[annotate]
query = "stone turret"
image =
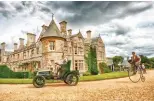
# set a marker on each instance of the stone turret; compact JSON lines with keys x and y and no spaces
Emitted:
{"x":52,"y":44}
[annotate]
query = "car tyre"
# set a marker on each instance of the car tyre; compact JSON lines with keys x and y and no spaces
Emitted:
{"x":39,"y":81}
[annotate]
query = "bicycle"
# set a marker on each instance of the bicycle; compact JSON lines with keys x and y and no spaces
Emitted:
{"x":135,"y":73}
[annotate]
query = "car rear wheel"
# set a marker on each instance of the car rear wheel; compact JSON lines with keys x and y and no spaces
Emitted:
{"x":72,"y":79}
{"x":39,"y":81}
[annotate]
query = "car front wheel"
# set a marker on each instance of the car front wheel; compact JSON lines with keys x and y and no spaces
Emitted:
{"x":39,"y":81}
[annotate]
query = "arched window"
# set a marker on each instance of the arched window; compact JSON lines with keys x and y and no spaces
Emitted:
{"x":32,"y":52}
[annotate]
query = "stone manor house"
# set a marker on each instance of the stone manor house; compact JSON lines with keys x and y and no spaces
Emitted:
{"x":52,"y":44}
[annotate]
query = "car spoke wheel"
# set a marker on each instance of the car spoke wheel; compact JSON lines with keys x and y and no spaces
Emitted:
{"x":39,"y":81}
{"x":72,"y":79}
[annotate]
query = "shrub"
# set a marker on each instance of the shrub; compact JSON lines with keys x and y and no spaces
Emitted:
{"x":22,"y":74}
{"x":104,"y":68}
{"x":86,"y":73}
{"x":107,"y":70}
{"x":147,"y":65}
{"x":5,"y":72}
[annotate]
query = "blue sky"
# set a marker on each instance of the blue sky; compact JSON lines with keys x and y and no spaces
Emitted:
{"x":123,"y":26}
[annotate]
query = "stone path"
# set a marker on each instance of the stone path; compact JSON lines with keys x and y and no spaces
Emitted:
{"x":107,"y":90}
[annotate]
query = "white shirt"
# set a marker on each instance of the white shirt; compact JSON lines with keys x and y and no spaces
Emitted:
{"x":62,"y":61}
{"x":143,"y":66}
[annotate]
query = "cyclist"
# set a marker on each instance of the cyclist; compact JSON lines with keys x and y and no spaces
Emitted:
{"x":136,"y":60}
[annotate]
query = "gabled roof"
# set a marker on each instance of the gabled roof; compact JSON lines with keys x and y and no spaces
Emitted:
{"x":52,"y":31}
{"x":95,"y":39}
{"x":78,"y":34}
{"x":74,"y":35}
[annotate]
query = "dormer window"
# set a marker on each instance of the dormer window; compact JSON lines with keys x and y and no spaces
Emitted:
{"x":52,"y":45}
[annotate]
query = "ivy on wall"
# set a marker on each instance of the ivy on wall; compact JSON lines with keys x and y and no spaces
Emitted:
{"x":91,"y":60}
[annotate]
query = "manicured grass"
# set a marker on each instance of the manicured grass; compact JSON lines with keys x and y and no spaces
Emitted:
{"x":15,"y":81}
{"x":104,"y":76}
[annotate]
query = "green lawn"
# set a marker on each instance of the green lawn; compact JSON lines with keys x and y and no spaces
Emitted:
{"x":104,"y":76}
{"x":112,"y":75}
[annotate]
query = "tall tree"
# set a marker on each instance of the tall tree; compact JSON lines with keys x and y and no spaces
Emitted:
{"x":152,"y":62}
{"x":117,"y":59}
{"x":144,"y":59}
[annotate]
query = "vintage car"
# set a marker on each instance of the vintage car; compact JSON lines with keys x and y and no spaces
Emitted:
{"x":64,"y":73}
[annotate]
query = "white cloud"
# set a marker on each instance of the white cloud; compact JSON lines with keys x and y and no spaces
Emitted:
{"x":121,"y":36}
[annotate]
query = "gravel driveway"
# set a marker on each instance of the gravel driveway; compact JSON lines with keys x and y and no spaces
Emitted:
{"x":107,"y":90}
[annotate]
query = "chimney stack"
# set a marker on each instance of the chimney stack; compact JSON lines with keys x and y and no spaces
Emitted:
{"x":30,"y":38}
{"x":69,"y":32}
{"x":63,"y":27}
{"x":3,"y":45}
{"x":21,"y":43}
{"x":15,"y":46}
{"x":44,"y":28}
{"x":3,"y":48}
{"x":89,"y":34}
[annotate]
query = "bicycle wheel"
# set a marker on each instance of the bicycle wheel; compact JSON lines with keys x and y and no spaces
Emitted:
{"x":142,"y":76}
{"x":134,"y":74}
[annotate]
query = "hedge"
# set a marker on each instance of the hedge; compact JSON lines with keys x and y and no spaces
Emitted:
{"x":6,"y":72}
{"x":104,"y":68}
